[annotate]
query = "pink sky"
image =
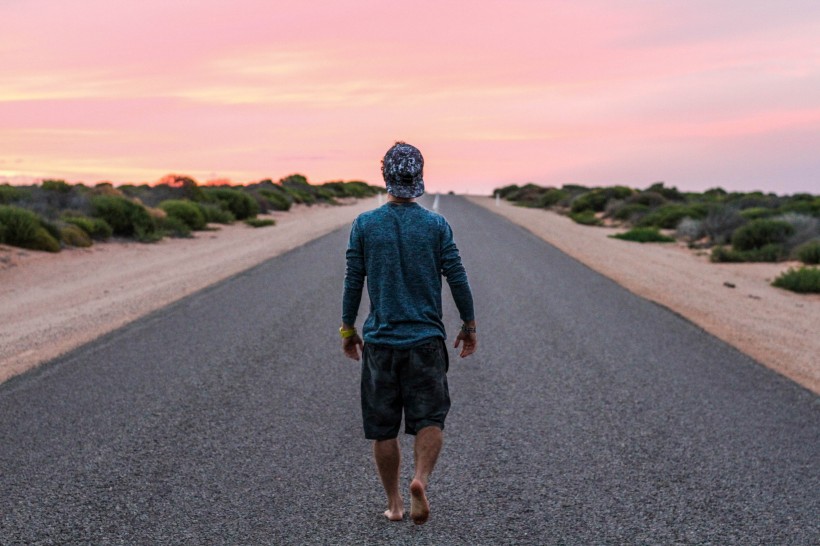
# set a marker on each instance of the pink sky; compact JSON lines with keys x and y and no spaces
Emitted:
{"x":695,"y":93}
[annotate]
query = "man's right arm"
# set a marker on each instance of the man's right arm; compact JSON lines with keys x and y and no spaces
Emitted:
{"x":352,"y":296}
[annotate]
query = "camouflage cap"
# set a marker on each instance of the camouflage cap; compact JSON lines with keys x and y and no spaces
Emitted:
{"x":402,"y":169}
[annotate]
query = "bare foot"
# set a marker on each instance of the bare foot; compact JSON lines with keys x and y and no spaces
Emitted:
{"x":394,"y":515}
{"x":419,"y":507}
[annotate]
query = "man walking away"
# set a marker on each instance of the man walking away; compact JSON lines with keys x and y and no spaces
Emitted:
{"x":404,"y":250}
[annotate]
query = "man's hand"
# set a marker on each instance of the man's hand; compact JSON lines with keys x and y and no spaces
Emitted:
{"x":470,"y":340}
{"x":351,"y":346}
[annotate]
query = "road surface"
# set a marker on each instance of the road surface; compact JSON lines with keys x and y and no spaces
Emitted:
{"x":587,"y":416}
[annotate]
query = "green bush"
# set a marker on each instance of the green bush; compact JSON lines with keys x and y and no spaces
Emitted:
{"x":594,"y":201}
{"x":760,"y":233}
{"x":721,"y":222}
{"x":809,"y":252}
{"x":2,"y":234}
{"x":174,"y":226}
{"x":214,"y":214}
{"x":668,"y":216}
{"x":552,"y":197}
{"x":644,"y":235}
{"x":767,"y":253}
{"x":597,"y":199}
{"x":277,"y":200}
{"x":630,"y":211}
{"x":803,"y":206}
{"x":75,"y":236}
{"x":671,"y":193}
{"x":505,"y":191}
{"x":237,"y":202}
{"x":804,"y":280}
{"x":586,"y":218}
{"x":260,"y":222}
{"x":59,"y":186}
{"x":690,"y":229}
{"x":125,"y":217}
{"x":756,"y":213}
{"x":9,"y":194}
{"x":649,"y":198}
{"x":23,"y":228}
{"x":303,"y":197}
{"x":97,"y":228}
{"x":186,"y":211}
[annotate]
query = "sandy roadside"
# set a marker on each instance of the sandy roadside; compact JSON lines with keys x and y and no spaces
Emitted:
{"x":776,"y":327}
{"x":50,"y":304}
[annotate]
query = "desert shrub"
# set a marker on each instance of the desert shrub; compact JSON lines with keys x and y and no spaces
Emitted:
{"x":215,"y":214}
{"x":809,"y":252}
{"x":575,"y":189}
{"x":668,"y":216}
{"x":262,"y":201}
{"x":74,"y":236}
{"x":647,"y":198}
{"x":644,"y":235}
{"x":597,"y":199}
{"x":756,"y":213}
{"x":96,"y":228}
{"x":185,"y":211}
{"x":767,"y":253}
{"x":24,"y":228}
{"x":552,"y":197}
{"x":714,"y":194}
{"x":670,"y":193}
{"x":804,"y":280}
{"x":690,"y":229}
{"x":277,"y":200}
{"x":721,"y":222}
{"x":125,"y":217}
{"x":505,"y":191}
{"x":528,"y":195}
{"x":760,"y":233}
{"x":629,"y":211}
{"x":237,"y":202}
{"x":594,"y":201}
{"x":59,"y":186}
{"x":260,"y":222}
{"x":181,"y":187}
{"x":174,"y":226}
{"x":754,"y":199}
{"x":303,"y":197}
{"x":9,"y":194}
{"x":353,"y":188}
{"x":52,"y":228}
{"x":586,"y":218}
{"x":806,"y":228}
{"x":803,"y":204}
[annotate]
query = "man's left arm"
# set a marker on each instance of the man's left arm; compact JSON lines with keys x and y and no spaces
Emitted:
{"x":453,"y":270}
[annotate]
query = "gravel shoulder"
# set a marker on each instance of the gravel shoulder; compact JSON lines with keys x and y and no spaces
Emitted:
{"x":53,"y":303}
{"x":776,"y":327}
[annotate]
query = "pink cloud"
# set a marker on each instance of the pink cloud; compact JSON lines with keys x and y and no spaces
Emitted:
{"x":493,"y":92}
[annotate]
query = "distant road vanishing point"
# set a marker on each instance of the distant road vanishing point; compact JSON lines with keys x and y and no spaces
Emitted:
{"x":588,"y":416}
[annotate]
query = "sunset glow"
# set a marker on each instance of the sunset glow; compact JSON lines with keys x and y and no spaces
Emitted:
{"x":698,"y":94}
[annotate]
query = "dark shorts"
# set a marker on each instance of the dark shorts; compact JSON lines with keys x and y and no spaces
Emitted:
{"x":413,"y":380}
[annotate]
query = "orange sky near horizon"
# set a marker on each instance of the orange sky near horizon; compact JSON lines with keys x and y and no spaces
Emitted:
{"x":698,"y":94}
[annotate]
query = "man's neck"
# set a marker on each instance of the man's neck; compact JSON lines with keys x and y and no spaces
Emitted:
{"x":394,"y":199}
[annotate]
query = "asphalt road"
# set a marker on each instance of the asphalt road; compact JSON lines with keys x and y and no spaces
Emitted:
{"x":588,"y":416}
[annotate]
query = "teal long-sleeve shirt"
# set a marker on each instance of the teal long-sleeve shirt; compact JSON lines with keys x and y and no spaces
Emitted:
{"x":403,"y":250}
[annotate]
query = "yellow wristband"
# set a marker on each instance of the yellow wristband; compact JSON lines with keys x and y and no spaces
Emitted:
{"x":347,"y":333}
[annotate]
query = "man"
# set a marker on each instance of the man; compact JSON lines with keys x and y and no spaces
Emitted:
{"x":403,"y":250}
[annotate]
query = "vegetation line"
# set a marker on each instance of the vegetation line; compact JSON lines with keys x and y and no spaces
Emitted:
{"x":731,"y":226}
